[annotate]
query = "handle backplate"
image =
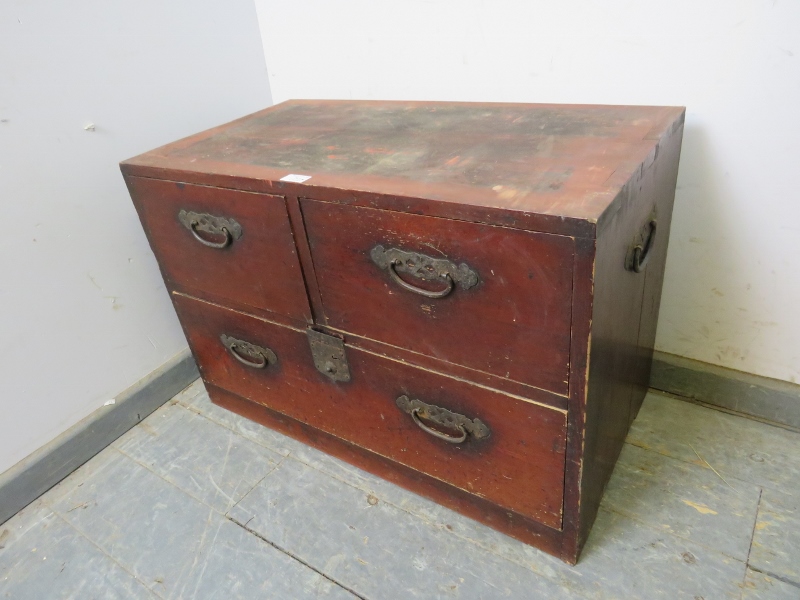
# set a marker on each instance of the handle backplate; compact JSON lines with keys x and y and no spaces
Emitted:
{"x":446,"y":419}
{"x":427,"y":268}
{"x":228,"y":228}
{"x":250,"y":355}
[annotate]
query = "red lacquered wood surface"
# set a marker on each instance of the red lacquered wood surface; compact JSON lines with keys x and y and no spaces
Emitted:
{"x":623,"y":316}
{"x":258,"y":270}
{"x":515,"y":323}
{"x":494,"y":382}
{"x":520,"y":466}
{"x":544,"y":167}
{"x":513,"y":524}
{"x":551,"y":349}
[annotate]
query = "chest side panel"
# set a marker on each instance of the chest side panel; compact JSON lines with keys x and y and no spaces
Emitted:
{"x":629,"y":265}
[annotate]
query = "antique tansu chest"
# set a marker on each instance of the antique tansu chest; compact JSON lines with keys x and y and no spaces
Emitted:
{"x":461,"y":298}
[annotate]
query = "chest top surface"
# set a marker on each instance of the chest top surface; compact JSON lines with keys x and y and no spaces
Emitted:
{"x":560,"y":160}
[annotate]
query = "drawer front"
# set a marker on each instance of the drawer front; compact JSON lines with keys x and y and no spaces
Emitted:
{"x":501,"y":297}
{"x":227,"y":245}
{"x":513,"y":451}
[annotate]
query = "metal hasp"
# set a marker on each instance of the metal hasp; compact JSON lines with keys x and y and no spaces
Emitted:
{"x":329,"y":356}
{"x":423,"y":267}
{"x":444,"y":418}
{"x":214,"y":226}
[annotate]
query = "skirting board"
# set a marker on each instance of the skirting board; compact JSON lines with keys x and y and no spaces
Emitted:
{"x":37,"y":473}
{"x":766,"y":399}
{"x":760,"y":397}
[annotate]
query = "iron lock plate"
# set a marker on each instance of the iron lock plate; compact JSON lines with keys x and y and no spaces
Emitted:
{"x":329,"y":355}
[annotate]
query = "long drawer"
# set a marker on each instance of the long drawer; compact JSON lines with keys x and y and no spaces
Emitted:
{"x":498,"y":447}
{"x":492,"y":299}
{"x":227,"y":245}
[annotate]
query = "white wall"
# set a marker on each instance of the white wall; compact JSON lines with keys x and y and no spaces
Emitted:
{"x":83,"y":310}
{"x":732,"y":289}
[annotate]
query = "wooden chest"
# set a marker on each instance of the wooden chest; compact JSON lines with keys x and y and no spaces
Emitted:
{"x":460,"y":298}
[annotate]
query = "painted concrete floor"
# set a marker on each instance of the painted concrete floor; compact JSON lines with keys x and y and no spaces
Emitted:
{"x":196,"y":502}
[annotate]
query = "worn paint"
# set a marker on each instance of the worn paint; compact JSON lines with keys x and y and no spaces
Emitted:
{"x":316,"y":511}
{"x":701,"y":508}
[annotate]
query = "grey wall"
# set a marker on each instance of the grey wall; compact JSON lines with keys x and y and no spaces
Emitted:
{"x":84,"y":311}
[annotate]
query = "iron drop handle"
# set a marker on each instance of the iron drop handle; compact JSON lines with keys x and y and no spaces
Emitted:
{"x":418,"y":290}
{"x":250,"y":355}
{"x":640,"y":253}
{"x":427,"y":268}
{"x":445,"y":418}
{"x":215,"y":226}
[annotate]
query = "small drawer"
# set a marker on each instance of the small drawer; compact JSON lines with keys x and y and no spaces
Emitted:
{"x":226,"y":245}
{"x":490,"y":298}
{"x":501,"y":448}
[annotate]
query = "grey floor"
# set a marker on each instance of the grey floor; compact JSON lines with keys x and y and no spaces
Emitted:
{"x":196,"y":502}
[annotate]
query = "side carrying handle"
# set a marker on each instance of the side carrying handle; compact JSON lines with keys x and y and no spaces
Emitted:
{"x":250,"y":355}
{"x":445,"y":418}
{"x":427,"y":268}
{"x":195,"y":222}
{"x":639,"y":253}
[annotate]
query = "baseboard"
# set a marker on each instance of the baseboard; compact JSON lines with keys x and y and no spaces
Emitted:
{"x":37,"y":473}
{"x":766,"y":399}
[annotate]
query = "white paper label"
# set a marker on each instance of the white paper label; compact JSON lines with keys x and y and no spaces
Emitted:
{"x":296,"y":178}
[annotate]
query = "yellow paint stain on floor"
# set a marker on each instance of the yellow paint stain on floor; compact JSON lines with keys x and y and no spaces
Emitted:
{"x":701,"y":508}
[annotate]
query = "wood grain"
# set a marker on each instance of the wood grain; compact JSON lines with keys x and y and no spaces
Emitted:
{"x":544,"y":167}
{"x":514,"y":324}
{"x":520,"y":467}
{"x":259,"y":270}
{"x":623,"y":319}
{"x":551,"y":349}
{"x":515,"y":525}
